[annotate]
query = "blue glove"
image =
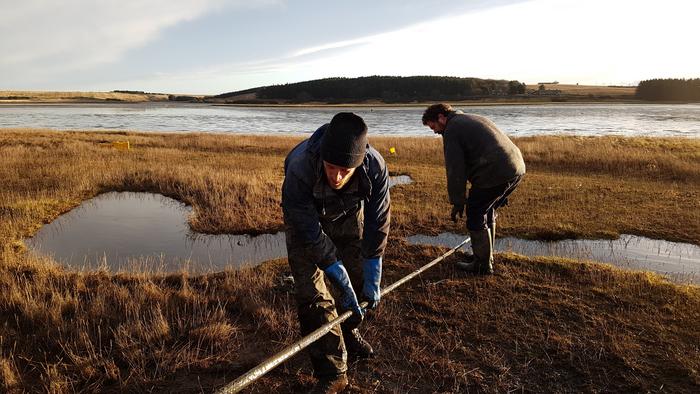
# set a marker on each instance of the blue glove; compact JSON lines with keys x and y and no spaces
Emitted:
{"x":339,"y":276}
{"x":372,"y":269}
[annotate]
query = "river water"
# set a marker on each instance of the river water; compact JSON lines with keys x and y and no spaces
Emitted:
{"x":515,"y":120}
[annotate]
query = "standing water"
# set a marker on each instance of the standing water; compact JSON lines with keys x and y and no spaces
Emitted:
{"x":149,"y":232}
{"x":679,"y":261}
{"x":146,"y":232}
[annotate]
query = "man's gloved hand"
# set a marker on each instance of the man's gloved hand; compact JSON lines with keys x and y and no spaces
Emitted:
{"x":372,"y":270}
{"x":457,"y":209}
{"x":348,"y":300}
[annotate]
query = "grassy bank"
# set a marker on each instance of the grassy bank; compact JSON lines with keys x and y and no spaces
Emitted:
{"x":539,"y":324}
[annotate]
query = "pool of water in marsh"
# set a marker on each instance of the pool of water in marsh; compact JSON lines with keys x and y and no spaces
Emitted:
{"x":149,"y":232}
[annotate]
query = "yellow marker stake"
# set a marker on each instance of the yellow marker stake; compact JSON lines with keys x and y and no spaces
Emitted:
{"x":121,"y":145}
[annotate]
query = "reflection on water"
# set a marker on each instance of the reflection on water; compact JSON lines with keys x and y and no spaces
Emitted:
{"x":146,"y":232}
{"x":516,"y":120}
{"x":679,"y":261}
{"x":149,"y":232}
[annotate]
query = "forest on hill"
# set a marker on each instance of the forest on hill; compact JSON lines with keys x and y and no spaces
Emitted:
{"x":384,"y":88}
{"x":669,"y":90}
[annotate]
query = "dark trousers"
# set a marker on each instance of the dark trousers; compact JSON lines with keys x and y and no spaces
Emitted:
{"x":483,"y":202}
{"x":315,"y":304}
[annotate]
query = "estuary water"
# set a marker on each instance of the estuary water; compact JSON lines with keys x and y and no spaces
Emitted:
{"x":515,"y":120}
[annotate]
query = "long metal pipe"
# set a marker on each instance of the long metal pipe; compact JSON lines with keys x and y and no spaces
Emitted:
{"x":272,"y":362}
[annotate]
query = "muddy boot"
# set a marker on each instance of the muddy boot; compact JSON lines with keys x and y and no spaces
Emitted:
{"x":356,"y":346}
{"x":482,"y":263}
{"x":330,"y":384}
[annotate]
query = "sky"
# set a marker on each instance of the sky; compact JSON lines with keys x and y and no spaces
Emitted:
{"x":217,"y":46}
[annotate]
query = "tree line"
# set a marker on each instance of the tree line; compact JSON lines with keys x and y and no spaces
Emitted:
{"x":385,"y":88}
{"x":669,"y":90}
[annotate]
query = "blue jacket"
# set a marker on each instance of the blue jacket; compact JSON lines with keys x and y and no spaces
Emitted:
{"x":307,"y":201}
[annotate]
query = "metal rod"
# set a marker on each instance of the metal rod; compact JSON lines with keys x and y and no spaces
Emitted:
{"x":277,"y":359}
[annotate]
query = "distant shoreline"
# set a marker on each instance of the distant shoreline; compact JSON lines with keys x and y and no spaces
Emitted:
{"x":544,"y":94}
{"x":552,"y":94}
{"x":8,"y":103}
{"x":331,"y":105}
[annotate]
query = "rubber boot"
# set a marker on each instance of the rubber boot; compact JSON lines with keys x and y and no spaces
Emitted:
{"x":330,"y":384}
{"x":467,"y":263}
{"x":482,"y":263}
{"x":356,"y":346}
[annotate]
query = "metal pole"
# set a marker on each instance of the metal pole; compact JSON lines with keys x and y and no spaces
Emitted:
{"x":272,"y":362}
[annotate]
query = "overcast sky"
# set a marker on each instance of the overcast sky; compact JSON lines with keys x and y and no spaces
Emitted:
{"x":216,"y":46}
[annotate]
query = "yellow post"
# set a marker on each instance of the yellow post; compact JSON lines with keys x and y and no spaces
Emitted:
{"x":121,"y":145}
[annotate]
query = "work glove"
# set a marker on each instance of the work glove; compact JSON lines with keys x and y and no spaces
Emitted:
{"x":457,"y":209}
{"x":348,"y":300}
{"x":372,"y":271}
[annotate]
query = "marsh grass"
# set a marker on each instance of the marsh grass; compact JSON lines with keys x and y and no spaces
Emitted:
{"x":540,"y":324}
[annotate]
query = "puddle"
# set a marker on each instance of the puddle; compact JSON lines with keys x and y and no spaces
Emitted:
{"x":139,"y":232}
{"x":680,"y":262}
{"x":400,"y":180}
{"x":146,"y":232}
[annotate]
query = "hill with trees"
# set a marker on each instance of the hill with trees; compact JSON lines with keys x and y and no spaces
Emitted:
{"x":380,"y":88}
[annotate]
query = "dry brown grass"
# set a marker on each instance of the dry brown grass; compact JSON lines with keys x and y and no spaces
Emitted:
{"x":539,"y":325}
{"x":643,"y":186}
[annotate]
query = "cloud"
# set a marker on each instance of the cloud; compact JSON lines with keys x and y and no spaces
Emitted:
{"x":50,"y":37}
{"x":597,"y":41}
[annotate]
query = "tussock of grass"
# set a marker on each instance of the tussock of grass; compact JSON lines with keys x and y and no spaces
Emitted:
{"x":9,"y":377}
{"x":539,"y":325}
{"x":90,"y":331}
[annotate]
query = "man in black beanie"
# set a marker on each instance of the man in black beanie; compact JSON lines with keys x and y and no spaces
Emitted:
{"x":335,"y":201}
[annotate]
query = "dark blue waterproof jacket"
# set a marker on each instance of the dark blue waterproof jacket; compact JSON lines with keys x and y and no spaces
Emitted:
{"x":307,"y":201}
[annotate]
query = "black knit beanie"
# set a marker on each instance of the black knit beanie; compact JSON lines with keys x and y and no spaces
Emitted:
{"x":344,"y":143}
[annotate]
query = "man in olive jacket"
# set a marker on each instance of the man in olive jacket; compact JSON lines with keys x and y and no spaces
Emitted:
{"x":478,"y":152}
{"x":335,"y":201}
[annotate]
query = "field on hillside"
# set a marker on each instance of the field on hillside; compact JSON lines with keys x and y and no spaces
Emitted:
{"x":539,"y":324}
{"x":585,"y":90}
{"x":21,"y":96}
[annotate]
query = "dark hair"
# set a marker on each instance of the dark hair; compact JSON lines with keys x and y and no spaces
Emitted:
{"x":431,"y":113}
